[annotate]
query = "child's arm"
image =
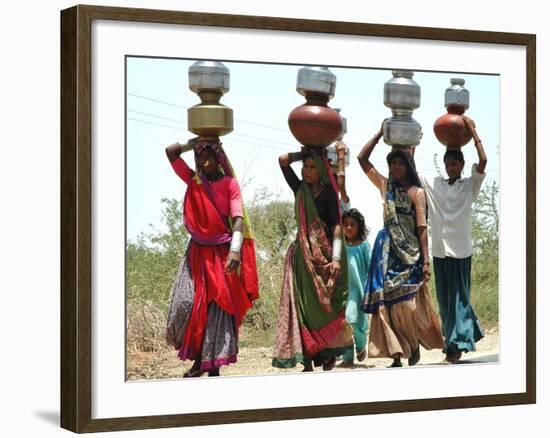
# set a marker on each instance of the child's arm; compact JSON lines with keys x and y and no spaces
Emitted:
{"x":341,"y":151}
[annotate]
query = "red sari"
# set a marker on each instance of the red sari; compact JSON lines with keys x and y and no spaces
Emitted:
{"x":206,"y":217}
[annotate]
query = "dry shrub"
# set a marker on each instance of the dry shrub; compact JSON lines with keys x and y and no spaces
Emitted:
{"x":145,"y":327}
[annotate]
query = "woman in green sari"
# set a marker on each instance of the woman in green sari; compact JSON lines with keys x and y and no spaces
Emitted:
{"x":311,"y":324}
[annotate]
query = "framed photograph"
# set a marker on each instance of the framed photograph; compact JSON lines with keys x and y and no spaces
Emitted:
{"x":125,"y":96}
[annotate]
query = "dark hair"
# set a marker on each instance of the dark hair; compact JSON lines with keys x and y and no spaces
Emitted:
{"x":409,"y":164}
{"x":454,"y":154}
{"x":362,"y":229}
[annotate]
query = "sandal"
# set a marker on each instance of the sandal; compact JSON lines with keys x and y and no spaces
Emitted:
{"x":329,"y":363}
{"x":396,"y":364}
{"x":194,"y":373}
{"x":413,"y":360}
{"x":362,"y":355}
{"x":214,"y":372}
{"x":452,"y":359}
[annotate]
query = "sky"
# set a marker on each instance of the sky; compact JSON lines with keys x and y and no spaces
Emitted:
{"x":262,"y":96}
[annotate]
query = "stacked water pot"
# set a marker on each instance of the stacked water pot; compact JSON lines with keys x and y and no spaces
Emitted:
{"x":209,"y":119}
{"x":450,"y":129}
{"x":402,"y":96}
{"x":314,"y":124}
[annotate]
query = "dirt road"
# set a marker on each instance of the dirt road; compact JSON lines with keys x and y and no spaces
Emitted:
{"x":165,"y":364}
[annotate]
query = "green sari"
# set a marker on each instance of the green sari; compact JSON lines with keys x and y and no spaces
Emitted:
{"x":311,"y":321}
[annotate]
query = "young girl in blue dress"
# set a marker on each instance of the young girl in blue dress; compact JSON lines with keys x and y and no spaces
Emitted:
{"x":358,"y":252}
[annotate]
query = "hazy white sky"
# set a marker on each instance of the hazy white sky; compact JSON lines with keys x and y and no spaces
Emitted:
{"x":262,"y":96}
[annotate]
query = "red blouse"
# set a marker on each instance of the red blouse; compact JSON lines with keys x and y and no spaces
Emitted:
{"x":226,"y":191}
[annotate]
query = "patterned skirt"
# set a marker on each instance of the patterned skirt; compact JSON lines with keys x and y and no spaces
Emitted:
{"x":296,"y":340}
{"x":220,"y":341}
{"x":403,"y":316}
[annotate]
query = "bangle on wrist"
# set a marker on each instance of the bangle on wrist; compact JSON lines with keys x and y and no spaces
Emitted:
{"x":337,"y":249}
{"x":236,"y":241}
{"x":294,"y":156}
{"x":185,"y":147}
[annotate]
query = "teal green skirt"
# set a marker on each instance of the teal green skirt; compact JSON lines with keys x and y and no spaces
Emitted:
{"x":460,"y":325}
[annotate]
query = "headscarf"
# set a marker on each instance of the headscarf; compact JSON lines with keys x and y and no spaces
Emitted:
{"x":409,"y":164}
{"x":326,"y":174}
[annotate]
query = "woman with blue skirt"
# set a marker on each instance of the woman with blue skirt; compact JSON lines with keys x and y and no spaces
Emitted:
{"x":396,"y":292}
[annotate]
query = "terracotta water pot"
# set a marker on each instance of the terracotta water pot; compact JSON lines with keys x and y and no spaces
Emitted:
{"x":451,"y":130}
{"x":314,"y":123}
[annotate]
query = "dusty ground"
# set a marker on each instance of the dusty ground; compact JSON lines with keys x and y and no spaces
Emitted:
{"x":257,"y":360}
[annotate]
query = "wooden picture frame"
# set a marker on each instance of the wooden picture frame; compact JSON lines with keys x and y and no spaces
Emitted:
{"x":76,"y":217}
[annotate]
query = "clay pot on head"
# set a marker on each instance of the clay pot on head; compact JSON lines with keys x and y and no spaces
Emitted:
{"x":314,"y":123}
{"x":451,"y":130}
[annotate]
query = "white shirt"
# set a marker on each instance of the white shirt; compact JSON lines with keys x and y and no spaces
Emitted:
{"x":450,"y":213}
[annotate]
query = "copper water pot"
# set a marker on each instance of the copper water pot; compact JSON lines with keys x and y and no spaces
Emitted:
{"x":315,"y":123}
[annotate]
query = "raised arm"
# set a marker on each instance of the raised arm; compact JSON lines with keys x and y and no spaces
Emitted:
{"x":341,"y":174}
{"x":286,"y":159}
{"x":175,"y":150}
{"x":482,"y":157}
{"x":364,"y":155}
{"x":364,"y":160}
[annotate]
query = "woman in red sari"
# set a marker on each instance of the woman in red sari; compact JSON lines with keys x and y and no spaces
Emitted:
{"x":217,"y":281}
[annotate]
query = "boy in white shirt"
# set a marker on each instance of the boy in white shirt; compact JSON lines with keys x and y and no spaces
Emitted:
{"x":450,"y":212}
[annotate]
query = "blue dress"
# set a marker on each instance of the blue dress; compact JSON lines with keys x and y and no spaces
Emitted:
{"x":358,"y":268}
